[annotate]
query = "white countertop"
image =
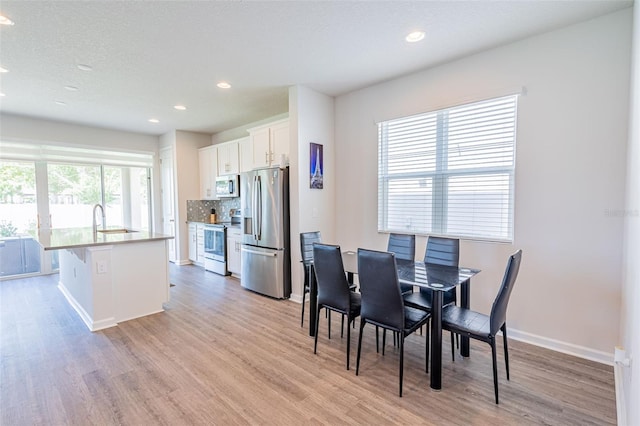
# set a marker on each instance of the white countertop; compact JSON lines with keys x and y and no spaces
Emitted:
{"x":56,"y":239}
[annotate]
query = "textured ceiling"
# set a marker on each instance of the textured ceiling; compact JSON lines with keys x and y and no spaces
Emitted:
{"x":150,"y":55}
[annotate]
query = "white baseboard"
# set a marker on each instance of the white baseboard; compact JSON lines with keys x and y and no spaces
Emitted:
{"x":183,"y":262}
{"x":84,"y":316}
{"x":564,"y":347}
{"x":296,"y":298}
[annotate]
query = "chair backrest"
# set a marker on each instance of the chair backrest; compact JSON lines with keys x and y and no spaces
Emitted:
{"x":403,"y":246}
{"x":442,"y":251}
{"x":333,"y":287}
{"x":381,"y":298}
{"x":499,"y":308}
{"x":306,"y":244}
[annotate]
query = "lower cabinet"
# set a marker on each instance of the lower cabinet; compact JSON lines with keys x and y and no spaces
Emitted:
{"x":234,"y":244}
{"x":200,"y":243}
{"x":196,"y":243}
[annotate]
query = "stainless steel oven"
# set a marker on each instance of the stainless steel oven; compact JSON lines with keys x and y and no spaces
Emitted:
{"x":215,"y":249}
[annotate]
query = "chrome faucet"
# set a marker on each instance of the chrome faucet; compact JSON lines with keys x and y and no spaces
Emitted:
{"x":95,"y":224}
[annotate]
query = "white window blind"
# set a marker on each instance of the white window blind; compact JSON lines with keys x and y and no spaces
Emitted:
{"x":72,"y":154}
{"x":449,"y":172}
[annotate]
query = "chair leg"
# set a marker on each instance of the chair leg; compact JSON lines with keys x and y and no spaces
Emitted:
{"x":342,"y":327}
{"x":328,"y":322}
{"x":495,"y":368}
{"x":362,"y":322}
{"x":428,"y":345}
{"x":315,"y":339}
{"x":377,"y":341}
{"x":506,"y":349}
{"x":401,"y":361}
{"x":304,"y":297}
{"x":453,"y":351}
{"x":348,"y":340}
{"x":384,"y":339}
{"x":458,"y":341}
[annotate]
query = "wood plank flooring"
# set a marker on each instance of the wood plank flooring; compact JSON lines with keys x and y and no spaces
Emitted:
{"x":222,"y":355}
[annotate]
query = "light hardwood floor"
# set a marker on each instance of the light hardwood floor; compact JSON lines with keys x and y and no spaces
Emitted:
{"x":222,"y":355}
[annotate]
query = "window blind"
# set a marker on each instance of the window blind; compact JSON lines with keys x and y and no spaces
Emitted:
{"x":71,"y":154}
{"x":449,"y":172}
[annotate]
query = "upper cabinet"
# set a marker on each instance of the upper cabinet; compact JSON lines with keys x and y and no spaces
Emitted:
{"x":270,"y":144}
{"x":208,"y":162}
{"x":246,"y":154}
{"x":228,"y":158}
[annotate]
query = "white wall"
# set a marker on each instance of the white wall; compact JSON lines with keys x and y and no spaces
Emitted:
{"x":572,"y":132}
{"x":186,"y":181}
{"x":630,"y":316}
{"x":16,"y":128}
{"x":311,"y":120}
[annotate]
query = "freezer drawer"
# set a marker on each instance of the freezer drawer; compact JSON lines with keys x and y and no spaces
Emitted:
{"x":264,"y":271}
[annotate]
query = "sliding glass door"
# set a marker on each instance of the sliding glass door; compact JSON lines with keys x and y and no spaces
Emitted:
{"x":48,"y":195}
{"x":19,"y":252}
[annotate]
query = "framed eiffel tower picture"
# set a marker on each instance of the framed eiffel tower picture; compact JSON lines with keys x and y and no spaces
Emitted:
{"x":316,"y":166}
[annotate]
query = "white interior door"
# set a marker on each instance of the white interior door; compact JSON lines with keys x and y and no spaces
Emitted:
{"x":168,"y":199}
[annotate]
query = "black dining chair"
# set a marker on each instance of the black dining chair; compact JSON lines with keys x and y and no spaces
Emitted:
{"x":382,"y":303}
{"x":404,"y":247}
{"x":485,"y":327}
{"x":440,"y":251}
{"x":306,"y":251}
{"x":443,"y":252}
{"x":334,"y":293}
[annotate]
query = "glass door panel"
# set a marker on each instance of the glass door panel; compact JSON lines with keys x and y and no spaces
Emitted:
{"x":20,"y":253}
{"x":114,"y":195}
{"x":73,"y":191}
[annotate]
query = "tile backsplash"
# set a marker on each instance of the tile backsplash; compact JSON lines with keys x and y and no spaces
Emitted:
{"x":199,"y":210}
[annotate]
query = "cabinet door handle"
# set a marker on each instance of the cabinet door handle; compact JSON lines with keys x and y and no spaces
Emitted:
{"x":266,"y":157}
{"x":271,"y":155}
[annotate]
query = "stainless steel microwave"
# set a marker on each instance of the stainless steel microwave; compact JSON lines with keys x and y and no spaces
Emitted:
{"x":227,"y":186}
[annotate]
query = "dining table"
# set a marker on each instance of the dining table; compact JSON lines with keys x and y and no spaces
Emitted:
{"x":437,"y":278}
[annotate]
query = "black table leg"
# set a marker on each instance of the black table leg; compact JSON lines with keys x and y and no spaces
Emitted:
{"x":436,"y":340}
{"x":313,"y":300}
{"x":350,"y":277}
{"x":464,"y":302}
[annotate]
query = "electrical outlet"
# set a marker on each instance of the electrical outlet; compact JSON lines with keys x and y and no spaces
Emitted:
{"x":102,"y":266}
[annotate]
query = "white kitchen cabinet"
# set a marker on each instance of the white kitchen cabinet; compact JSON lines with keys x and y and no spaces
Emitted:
{"x":208,"y":162}
{"x":246,"y":154}
{"x":200,"y":243}
{"x":228,"y":158}
{"x":193,"y":244}
{"x":270,"y":144}
{"x":234,"y":244}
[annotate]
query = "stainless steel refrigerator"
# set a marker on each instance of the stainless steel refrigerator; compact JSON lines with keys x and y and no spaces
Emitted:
{"x":266,"y":261}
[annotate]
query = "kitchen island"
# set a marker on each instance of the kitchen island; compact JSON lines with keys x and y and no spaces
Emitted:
{"x":112,"y":275}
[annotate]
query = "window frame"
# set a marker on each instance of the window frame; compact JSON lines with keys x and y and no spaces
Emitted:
{"x":440,"y":177}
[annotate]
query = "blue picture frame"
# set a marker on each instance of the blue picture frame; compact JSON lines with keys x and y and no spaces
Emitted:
{"x":316,"y":166}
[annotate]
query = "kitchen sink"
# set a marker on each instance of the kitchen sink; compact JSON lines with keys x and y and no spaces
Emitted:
{"x":116,"y":231}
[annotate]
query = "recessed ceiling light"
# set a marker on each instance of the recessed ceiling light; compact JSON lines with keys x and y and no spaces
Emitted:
{"x":71,"y":88}
{"x":85,"y":67}
{"x":3,"y":69}
{"x":180,"y":107}
{"x":415,"y":36}
{"x":154,"y":120}
{"x":61,"y":103}
{"x":5,"y":21}
{"x":223,"y":85}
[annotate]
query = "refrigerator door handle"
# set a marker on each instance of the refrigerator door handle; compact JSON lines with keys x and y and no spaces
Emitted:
{"x":258,"y":205}
{"x":254,"y":208}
